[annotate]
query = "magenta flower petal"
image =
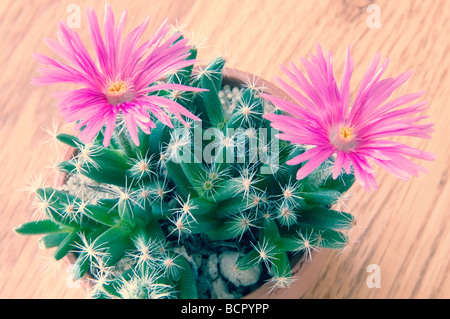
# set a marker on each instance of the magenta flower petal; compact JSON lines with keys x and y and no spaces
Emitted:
{"x":115,"y":82}
{"x":322,"y":116}
{"x":321,"y":156}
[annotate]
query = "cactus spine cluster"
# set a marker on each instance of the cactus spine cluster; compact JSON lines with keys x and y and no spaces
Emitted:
{"x":167,"y":189}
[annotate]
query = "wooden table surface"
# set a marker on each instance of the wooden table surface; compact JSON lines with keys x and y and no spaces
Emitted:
{"x":403,"y":228}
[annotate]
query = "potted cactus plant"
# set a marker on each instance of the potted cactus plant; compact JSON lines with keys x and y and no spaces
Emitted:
{"x":187,"y":181}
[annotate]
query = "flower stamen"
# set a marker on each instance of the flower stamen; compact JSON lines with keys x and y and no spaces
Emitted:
{"x":118,"y":92}
{"x":117,"y":88}
{"x":343,"y":138}
{"x":346,"y":133}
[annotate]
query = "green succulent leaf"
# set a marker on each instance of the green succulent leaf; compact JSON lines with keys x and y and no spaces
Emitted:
{"x":40,"y":227}
{"x":52,"y":240}
{"x":327,"y":218}
{"x":187,"y":285}
{"x":66,"y":246}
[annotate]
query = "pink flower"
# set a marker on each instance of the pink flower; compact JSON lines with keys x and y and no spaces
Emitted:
{"x":118,"y":82}
{"x":324,"y":118}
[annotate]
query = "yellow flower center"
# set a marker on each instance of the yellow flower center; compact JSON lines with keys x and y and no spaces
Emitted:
{"x":117,"y":88}
{"x":344,"y":138}
{"x":118,"y":92}
{"x":346,"y":133}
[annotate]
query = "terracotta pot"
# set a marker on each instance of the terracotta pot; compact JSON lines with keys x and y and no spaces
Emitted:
{"x":304,"y":271}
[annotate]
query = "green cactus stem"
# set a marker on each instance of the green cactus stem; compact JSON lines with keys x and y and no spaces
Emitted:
{"x":223,"y":180}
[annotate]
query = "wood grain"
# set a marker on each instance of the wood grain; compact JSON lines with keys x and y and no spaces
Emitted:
{"x":402,"y":227}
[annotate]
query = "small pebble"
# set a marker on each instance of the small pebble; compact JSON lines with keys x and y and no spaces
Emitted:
{"x":220,"y":290}
{"x":212,"y":270}
{"x":227,"y":262}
